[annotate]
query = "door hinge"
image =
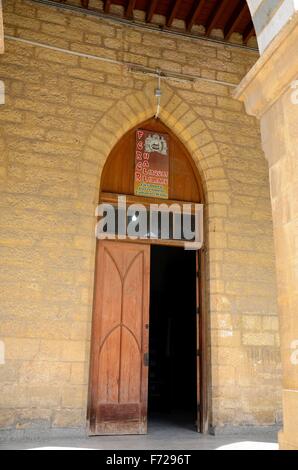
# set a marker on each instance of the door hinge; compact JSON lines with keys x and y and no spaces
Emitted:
{"x":198,"y":353}
{"x":198,"y":311}
{"x":146,"y":359}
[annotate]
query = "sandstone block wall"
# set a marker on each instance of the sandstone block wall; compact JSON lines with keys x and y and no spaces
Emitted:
{"x":62,"y":116}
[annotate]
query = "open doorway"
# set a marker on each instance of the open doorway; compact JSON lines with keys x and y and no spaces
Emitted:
{"x":118,"y":386}
{"x":173,"y":337}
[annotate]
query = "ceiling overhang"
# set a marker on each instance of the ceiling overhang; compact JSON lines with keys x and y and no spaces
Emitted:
{"x":225,"y":20}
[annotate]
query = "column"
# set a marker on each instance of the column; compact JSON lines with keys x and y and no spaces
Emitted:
{"x":270,"y":92}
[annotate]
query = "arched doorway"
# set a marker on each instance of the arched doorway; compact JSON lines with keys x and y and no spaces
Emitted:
{"x":148,"y":351}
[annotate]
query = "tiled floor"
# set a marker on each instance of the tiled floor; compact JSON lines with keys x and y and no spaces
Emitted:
{"x":162,"y":435}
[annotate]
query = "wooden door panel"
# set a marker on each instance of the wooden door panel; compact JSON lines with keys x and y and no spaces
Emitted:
{"x":119,"y":378}
{"x":130,"y":381}
{"x":110,"y":311}
{"x":132,"y":299}
{"x":108,"y":367}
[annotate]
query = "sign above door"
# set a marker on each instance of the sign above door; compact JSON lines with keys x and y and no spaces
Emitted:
{"x":152,"y":163}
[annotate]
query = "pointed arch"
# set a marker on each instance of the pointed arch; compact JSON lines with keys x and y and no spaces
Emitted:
{"x":139,"y":107}
{"x":118,"y":174}
{"x":192,"y":131}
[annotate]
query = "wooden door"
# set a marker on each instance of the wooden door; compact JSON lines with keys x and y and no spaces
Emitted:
{"x":119,"y":357}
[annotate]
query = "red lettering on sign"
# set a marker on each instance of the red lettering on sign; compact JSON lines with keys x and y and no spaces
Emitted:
{"x":152,"y":168}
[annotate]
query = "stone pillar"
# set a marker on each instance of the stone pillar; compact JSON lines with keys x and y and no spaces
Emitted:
{"x":1,"y":30}
{"x":270,"y":92}
{"x":270,"y":17}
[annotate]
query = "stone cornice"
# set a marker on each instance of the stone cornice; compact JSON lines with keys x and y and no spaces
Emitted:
{"x":272,"y":75}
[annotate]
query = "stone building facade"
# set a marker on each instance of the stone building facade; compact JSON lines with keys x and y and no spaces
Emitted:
{"x":58,"y":126}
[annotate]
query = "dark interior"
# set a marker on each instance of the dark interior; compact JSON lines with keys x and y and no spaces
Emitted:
{"x":173,"y":350}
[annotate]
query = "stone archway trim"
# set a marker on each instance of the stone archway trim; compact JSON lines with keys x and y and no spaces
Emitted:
{"x":139,"y":107}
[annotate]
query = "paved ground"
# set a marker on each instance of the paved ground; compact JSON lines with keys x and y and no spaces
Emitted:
{"x":161,"y":436}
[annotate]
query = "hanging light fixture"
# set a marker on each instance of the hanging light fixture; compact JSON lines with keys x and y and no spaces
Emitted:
{"x":158,"y":93}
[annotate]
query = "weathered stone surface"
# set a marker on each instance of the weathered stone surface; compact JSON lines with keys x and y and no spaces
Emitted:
{"x":62,"y":117}
{"x":275,"y":102}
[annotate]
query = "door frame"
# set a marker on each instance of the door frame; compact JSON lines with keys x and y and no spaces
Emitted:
{"x":202,"y":336}
{"x":109,"y":195}
{"x":202,"y":332}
